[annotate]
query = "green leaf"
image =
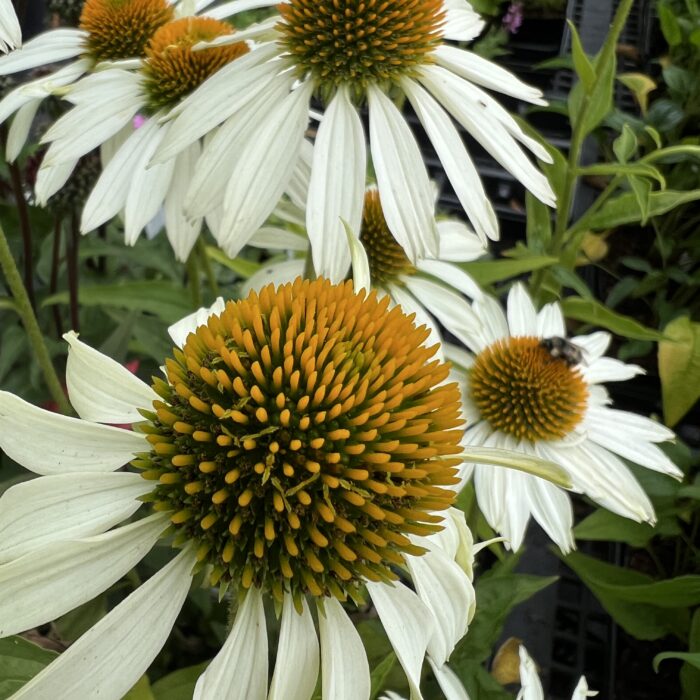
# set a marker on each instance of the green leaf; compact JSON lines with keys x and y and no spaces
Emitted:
{"x":178,"y":685}
{"x":497,"y":593}
{"x":679,"y":368}
{"x":8,"y":304}
{"x":641,"y":188}
{"x":489,"y":271}
{"x":478,"y":682}
{"x":673,"y":154}
{"x":670,"y":27}
{"x":625,"y":208}
{"x":625,"y":145}
{"x":595,"y":313}
{"x":539,"y":223}
{"x":166,"y":300}
{"x":692,"y":659}
{"x":78,"y":621}
{"x":380,"y":673}
{"x":602,"y":525}
{"x":20,"y":661}
{"x":690,"y":675}
{"x":640,"y":85}
{"x":141,"y":690}
{"x":242,"y":267}
{"x":587,"y":110}
{"x":633,"y":599}
{"x":640,"y":169}
{"x":582,"y":64}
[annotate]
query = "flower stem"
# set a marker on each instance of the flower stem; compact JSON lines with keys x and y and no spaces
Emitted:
{"x":55,"y":262}
{"x":193,"y":279}
{"x":25,"y":229}
{"x":26,"y":313}
{"x":208,"y":269}
{"x":73,"y":242}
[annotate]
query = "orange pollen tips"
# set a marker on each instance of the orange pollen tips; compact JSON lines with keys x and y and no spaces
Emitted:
{"x":302,"y":437}
{"x":345,"y":41}
{"x":173,"y":69}
{"x":387,"y":259}
{"x":121,"y":28}
{"x":522,"y":390}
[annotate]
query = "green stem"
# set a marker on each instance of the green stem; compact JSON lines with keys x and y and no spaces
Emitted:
{"x":26,"y":313}
{"x":208,"y":269}
{"x":193,"y":279}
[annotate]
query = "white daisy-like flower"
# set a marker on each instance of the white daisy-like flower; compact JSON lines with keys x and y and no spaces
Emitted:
{"x":109,"y":32}
{"x":527,"y":388}
{"x":301,"y":448}
{"x":346,"y":54}
{"x":431,"y":288}
{"x":10,"y":31}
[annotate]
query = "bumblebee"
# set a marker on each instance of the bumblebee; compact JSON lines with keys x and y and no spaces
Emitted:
{"x":563,"y":349}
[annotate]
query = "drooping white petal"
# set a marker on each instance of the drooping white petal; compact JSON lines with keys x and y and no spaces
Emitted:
{"x":455,"y":159}
{"x":404,"y":188}
{"x":411,"y":305}
{"x":296,"y":668}
{"x":190,"y":323}
{"x":632,"y":437}
{"x":447,"y":591}
{"x":530,"y":686}
{"x":239,"y":670}
{"x":522,"y":317}
{"x":266,"y":164}
{"x":447,"y":306}
{"x":608,"y":369}
{"x":457,"y":355}
{"x":274,"y":273}
{"x":65,"y":506}
{"x":461,"y":23}
{"x":50,"y":179}
{"x":455,"y":95}
{"x":452,"y":275}
{"x":344,"y":666}
{"x":217,"y":98}
{"x":275,"y":238}
{"x":458,"y":243}
{"x":483,"y":72}
{"x":49,"y":443}
{"x":19,"y":129}
{"x":111,"y":656}
{"x":49,"y":47}
{"x":298,"y":186}
{"x":550,"y":322}
{"x":337,"y":186}
{"x":10,"y":31}
{"x":361,"y":276}
{"x":52,"y":579}
{"x":408,"y":623}
{"x":182,"y":231}
{"x":101,"y":389}
{"x":581,"y":691}
{"x":448,"y":681}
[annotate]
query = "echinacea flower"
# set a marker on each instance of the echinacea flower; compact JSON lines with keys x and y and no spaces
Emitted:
{"x":10,"y":31}
{"x":548,"y":399}
{"x":301,"y":448}
{"x":346,"y":54}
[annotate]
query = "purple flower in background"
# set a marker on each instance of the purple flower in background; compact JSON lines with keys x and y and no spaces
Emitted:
{"x":513,"y":17}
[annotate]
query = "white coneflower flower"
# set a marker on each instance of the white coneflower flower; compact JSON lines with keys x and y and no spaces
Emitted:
{"x":109,"y":31}
{"x":345,"y":54}
{"x":302,"y":449}
{"x":529,"y":389}
{"x":10,"y":31}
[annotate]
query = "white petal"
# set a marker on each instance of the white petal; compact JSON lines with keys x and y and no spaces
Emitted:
{"x":298,"y":186}
{"x":458,"y":243}
{"x":411,"y":305}
{"x":110,"y":657}
{"x":274,"y":273}
{"x":448,"y":681}
{"x":266,"y":164}
{"x":531,"y":688}
{"x":10,"y":31}
{"x":631,"y":436}
{"x":233,"y":8}
{"x":594,"y":345}
{"x":494,"y":325}
{"x":239,"y":670}
{"x":278,"y":239}
{"x":296,"y":668}
{"x":448,"y":307}
{"x":344,"y":666}
{"x":404,"y":188}
{"x":456,"y":354}
{"x":408,"y":623}
{"x":447,"y":591}
{"x":182,"y":231}
{"x":461,"y":23}
{"x":455,"y":159}
{"x":581,"y":691}
{"x":49,"y":47}
{"x":49,"y":443}
{"x":522,"y":317}
{"x":361,"y":276}
{"x":452,"y":275}
{"x":50,"y":179}
{"x":550,"y":322}
{"x":19,"y":129}
{"x":483,"y":72}
{"x":65,"y":506}
{"x":337,"y":186}
{"x":608,"y":369}
{"x":190,"y":323}
{"x":59,"y":576}
{"x":101,"y":389}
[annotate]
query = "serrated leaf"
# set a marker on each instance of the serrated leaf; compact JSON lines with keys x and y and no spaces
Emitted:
{"x":595,"y":313}
{"x":679,"y":368}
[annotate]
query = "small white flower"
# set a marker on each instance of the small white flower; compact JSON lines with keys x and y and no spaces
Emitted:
{"x":521,"y":394}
